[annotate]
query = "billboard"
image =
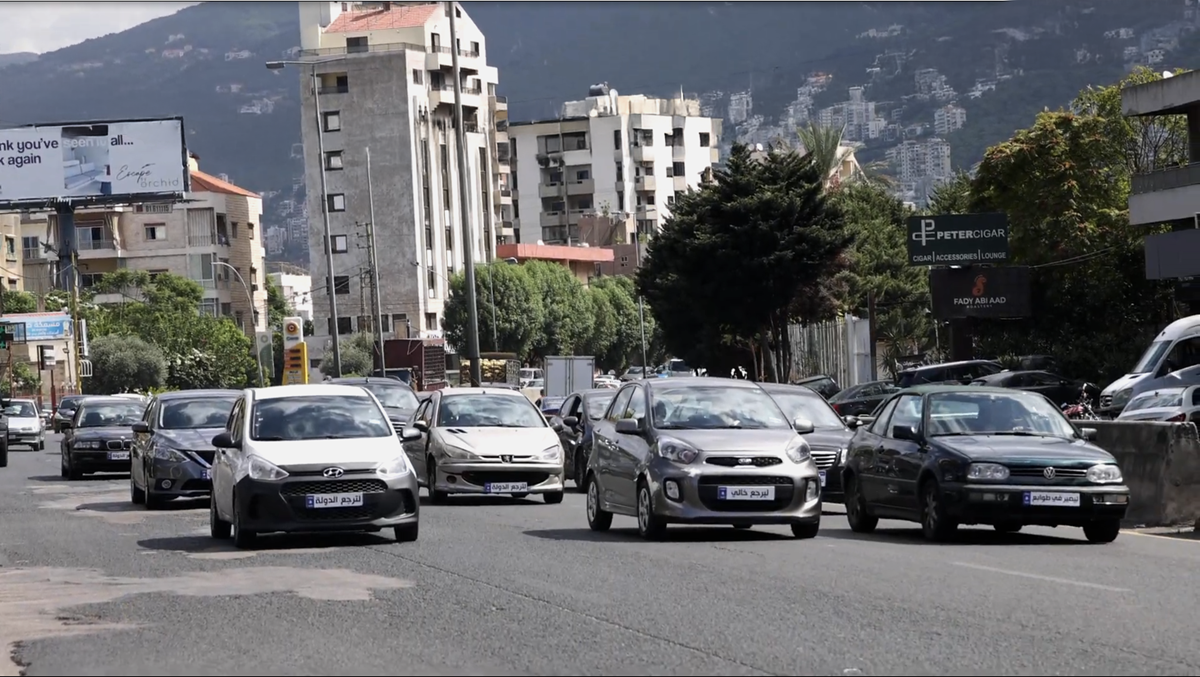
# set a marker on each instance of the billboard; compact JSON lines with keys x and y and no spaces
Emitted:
{"x":980,"y":292}
{"x":957,"y":239}
{"x":109,"y":162}
{"x":40,"y":326}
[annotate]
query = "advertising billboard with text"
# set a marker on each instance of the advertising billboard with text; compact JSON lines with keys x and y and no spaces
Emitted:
{"x":92,"y":162}
{"x":1002,"y":292}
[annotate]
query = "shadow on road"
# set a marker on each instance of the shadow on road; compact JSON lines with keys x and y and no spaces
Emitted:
{"x":266,"y":543}
{"x":178,"y":505}
{"x":674,"y":535}
{"x":46,"y":478}
{"x":475,"y":500}
{"x":967,"y":537}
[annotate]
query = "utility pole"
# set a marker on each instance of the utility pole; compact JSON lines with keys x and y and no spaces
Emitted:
{"x":374,"y":263}
{"x":637,"y":247}
{"x":468,"y":235}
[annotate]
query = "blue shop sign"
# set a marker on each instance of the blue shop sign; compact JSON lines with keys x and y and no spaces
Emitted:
{"x":42,"y":326}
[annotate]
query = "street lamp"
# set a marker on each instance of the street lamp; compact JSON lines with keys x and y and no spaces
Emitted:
{"x":250,"y":298}
{"x":330,"y":290}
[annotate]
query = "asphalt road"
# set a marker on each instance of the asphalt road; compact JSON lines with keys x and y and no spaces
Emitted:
{"x":91,"y":585}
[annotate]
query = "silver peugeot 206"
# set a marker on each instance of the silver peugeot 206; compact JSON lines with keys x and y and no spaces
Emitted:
{"x":701,"y":451}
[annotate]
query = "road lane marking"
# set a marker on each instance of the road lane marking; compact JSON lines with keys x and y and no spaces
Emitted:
{"x":1039,"y":577}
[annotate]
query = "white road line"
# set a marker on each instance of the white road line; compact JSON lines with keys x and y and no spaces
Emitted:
{"x":1039,"y":577}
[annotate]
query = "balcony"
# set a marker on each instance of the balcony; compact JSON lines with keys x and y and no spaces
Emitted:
{"x":645,"y":183}
{"x":502,"y":196}
{"x":679,"y":183}
{"x":507,"y":228}
{"x":1165,"y":195}
{"x":442,"y":57}
{"x":581,"y":187}
{"x":550,"y":190}
{"x":96,"y":249}
{"x":641,"y":153}
{"x":472,"y":97}
{"x":553,"y":219}
{"x":647,"y":211}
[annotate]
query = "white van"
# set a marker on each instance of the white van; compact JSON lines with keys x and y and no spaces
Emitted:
{"x":1166,"y":363}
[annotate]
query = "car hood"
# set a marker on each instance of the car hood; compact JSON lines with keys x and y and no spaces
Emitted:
{"x":349,"y":453}
{"x":500,"y":441}
{"x":1010,"y":449}
{"x":24,"y":421}
{"x":1122,"y":383}
{"x":1155,"y":414}
{"x":828,"y":438}
{"x":108,"y":433}
{"x":398,"y":413}
{"x":192,"y":439}
{"x":735,"y":440}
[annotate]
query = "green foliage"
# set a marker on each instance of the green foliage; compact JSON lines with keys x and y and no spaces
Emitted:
{"x":19,"y":301}
{"x":357,"y":357}
{"x":25,"y":376}
{"x":567,"y":318}
{"x":515,"y":311}
{"x":125,"y":364}
{"x":278,"y":307}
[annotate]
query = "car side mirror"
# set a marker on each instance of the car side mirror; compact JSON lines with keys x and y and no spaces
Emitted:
{"x":421,"y":426}
{"x":852,"y":421}
{"x":906,"y":432}
{"x":571,"y":421}
{"x":1089,"y":434}
{"x":66,"y":425}
{"x":629,"y":426}
{"x":556,"y":425}
{"x":141,"y":427}
{"x":803,"y":426}
{"x":223,"y":440}
{"x":410,"y":434}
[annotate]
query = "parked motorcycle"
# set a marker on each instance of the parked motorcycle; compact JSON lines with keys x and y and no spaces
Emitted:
{"x":1081,"y":410}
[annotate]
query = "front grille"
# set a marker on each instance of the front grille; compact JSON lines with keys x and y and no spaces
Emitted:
{"x":824,"y":459}
{"x":735,"y":461}
{"x":1106,"y":401}
{"x":1039,"y":471}
{"x":321,"y":472}
{"x":335,"y":487}
{"x":207,"y":456}
{"x":485,"y":477}
{"x":119,"y":445}
{"x":741,"y":481}
{"x":356,"y":513}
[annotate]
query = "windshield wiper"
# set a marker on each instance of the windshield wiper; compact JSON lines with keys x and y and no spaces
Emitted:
{"x":269,"y":438}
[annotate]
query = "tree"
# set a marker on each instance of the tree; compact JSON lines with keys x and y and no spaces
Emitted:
{"x":125,"y":364}
{"x":357,"y":357}
{"x":18,"y":302}
{"x":953,"y":197}
{"x":278,"y":307}
{"x":624,"y":348}
{"x":516,"y":310}
{"x":567,"y":319}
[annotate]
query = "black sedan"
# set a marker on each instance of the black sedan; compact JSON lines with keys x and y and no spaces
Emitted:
{"x":829,"y":438}
{"x":578,"y":414}
{"x":1059,"y":389}
{"x":397,"y":398}
{"x":172,"y":452}
{"x":862,"y":399}
{"x":947,"y":455}
{"x":98,"y":438}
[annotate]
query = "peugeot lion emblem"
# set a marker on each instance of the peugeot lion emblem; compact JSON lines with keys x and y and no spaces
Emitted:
{"x":333,"y":473}
{"x":506,"y":458}
{"x":745,"y":461}
{"x":1048,"y":473}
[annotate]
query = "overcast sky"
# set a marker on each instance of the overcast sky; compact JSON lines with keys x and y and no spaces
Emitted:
{"x":47,"y":26}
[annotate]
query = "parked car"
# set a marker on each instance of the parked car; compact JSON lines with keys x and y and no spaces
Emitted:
{"x":550,"y":405}
{"x":25,"y":424}
{"x":823,"y":385}
{"x":634,"y":373}
{"x":1174,"y":405}
{"x":397,"y":398}
{"x":172,"y":452}
{"x":1060,"y":389}
{"x":830,"y":436}
{"x":945,"y":455}
{"x":65,"y":410}
{"x":701,"y":451}
{"x":306,"y":458}
{"x":99,"y":438}
{"x":862,"y":399}
{"x":950,"y":372}
{"x":578,"y":416}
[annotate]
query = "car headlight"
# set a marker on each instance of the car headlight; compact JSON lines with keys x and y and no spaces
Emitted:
{"x":550,"y":454}
{"x":162,"y":453}
{"x":86,"y":444}
{"x":797,"y":450}
{"x":842,"y":453}
{"x":258,"y":468}
{"x":676,"y":450}
{"x":987,"y":471}
{"x":1104,"y":474}
{"x":1122,"y":398}
{"x":397,"y":467}
{"x":458,"y":453}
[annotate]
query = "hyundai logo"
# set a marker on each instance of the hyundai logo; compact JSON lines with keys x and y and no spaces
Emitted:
{"x":333,"y":473}
{"x":745,"y":461}
{"x":1048,"y":473}
{"x":506,"y":459}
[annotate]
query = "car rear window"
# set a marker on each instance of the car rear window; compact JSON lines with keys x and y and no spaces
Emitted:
{"x":1156,"y":400}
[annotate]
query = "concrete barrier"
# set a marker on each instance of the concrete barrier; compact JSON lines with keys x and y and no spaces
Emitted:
{"x":1161,"y":464}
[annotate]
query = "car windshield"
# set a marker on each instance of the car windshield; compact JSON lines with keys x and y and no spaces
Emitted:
{"x":976,"y":413}
{"x":110,"y":414}
{"x":1151,"y":357}
{"x":202,"y":412}
{"x":1156,"y":400}
{"x":552,"y":403}
{"x":478,"y":410}
{"x":69,"y":402}
{"x":597,"y":404}
{"x":393,"y":397}
{"x":714,"y":407}
{"x":809,"y":406}
{"x":317,"y":417}
{"x":21,"y":410}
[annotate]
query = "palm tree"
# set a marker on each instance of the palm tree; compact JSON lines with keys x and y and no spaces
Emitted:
{"x":824,"y":144}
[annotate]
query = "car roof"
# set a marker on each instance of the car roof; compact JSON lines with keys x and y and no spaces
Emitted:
{"x":308,"y":390}
{"x":108,"y":399}
{"x":937,"y":388}
{"x":484,"y":391}
{"x":789,"y":388}
{"x":591,"y":392}
{"x":697,"y":381}
{"x":951,"y":364}
{"x":361,"y":380}
{"x":806,"y":379}
{"x":198,"y":393}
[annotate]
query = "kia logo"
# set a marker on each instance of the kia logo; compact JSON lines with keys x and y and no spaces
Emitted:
{"x":333,"y":473}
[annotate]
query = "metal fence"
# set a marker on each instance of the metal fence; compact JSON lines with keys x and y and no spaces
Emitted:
{"x":838,"y":348}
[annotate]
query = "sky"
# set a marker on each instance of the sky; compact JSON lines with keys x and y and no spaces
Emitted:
{"x":46,"y":26}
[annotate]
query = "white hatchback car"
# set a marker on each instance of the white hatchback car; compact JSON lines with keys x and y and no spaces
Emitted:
{"x":307,"y":458}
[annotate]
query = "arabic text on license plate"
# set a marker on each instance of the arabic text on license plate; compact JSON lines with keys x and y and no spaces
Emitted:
{"x":745,"y":493}
{"x":1051,"y":498}
{"x":118,"y":455}
{"x":333,"y":500}
{"x":506,"y":487}
{"x":206,"y":474}
{"x":822,"y":474}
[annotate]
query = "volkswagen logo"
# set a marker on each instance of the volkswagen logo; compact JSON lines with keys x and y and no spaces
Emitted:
{"x":1048,"y":473}
{"x":506,"y":458}
{"x":333,"y":473}
{"x":745,"y":461}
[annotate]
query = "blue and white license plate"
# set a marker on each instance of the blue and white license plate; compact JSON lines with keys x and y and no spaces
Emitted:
{"x":506,"y":488}
{"x":822,"y":474}
{"x":348,"y":500}
{"x":206,"y":474}
{"x":118,"y":455}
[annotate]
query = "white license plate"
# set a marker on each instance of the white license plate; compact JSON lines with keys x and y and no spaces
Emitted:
{"x":206,"y":474}
{"x":333,"y":500}
{"x":1051,"y":498}
{"x":822,"y":474}
{"x":118,"y":455}
{"x":506,"y":488}
{"x":745,"y":493}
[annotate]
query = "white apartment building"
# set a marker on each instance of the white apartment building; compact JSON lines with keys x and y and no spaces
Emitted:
{"x":296,"y":291}
{"x":948,"y":119}
{"x":621,"y":155}
{"x":386,"y":84}
{"x":914,"y":160}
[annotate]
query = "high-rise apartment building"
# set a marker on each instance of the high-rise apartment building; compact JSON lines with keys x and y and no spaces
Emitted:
{"x":608,"y":154}
{"x":385,"y":83}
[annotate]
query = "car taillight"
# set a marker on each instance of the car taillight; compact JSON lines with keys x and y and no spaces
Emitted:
{"x":1177,"y":418}
{"x":837,"y":408}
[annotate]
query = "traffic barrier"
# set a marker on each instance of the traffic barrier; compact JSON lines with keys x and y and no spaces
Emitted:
{"x":1161,"y":465}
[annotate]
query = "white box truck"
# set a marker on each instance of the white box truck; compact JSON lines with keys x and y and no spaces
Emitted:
{"x":565,"y":375}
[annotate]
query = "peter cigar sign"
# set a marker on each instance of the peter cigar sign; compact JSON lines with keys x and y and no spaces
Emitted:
{"x":980,"y":292}
{"x":957,"y":239}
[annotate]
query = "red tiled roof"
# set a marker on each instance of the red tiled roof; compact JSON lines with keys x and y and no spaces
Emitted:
{"x":398,"y":16}
{"x":550,"y":252}
{"x":207,"y":183}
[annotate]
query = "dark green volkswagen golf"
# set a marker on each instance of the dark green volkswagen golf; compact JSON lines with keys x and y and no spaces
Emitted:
{"x":944,"y":456}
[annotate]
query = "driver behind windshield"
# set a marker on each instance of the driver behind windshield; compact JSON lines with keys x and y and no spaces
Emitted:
{"x":709,"y":408}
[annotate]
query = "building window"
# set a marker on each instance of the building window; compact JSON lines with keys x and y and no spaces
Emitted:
{"x":359,"y":45}
{"x":233,"y":230}
{"x":32,"y":247}
{"x":333,"y":120}
{"x":583,"y":175}
{"x":152,"y":209}
{"x":208,"y":307}
{"x":226,"y":309}
{"x":334,"y":83}
{"x":431,"y":322}
{"x":474,"y":48}
{"x":671,"y":199}
{"x":431,"y":282}
{"x":345,"y":326}
{"x":340,"y":243}
{"x":335,"y":202}
{"x":333,"y":160}
{"x":341,"y":284}
{"x":704,"y":139}
{"x":418,"y":76}
{"x":156,"y":231}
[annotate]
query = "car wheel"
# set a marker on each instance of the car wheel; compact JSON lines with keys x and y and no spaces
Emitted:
{"x":598,"y":518}
{"x":1102,"y":531}
{"x":1007,"y":527}
{"x":650,"y":526}
{"x":217,"y":527}
{"x":407,"y":533}
{"x":40,"y":446}
{"x":806,"y":529}
{"x":856,"y":510}
{"x":137,"y":495}
{"x":72,"y":473}
{"x":63,"y":470}
{"x":243,"y":538}
{"x":580,"y":471}
{"x":936,"y":524}
{"x":553,"y":498}
{"x":436,"y":497}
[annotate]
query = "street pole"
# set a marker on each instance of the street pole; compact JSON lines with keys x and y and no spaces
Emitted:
{"x":468,"y":236}
{"x":637,"y":247}
{"x":492,"y":293}
{"x":330,"y":291}
{"x":376,"y":301}
{"x":249,"y":297}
